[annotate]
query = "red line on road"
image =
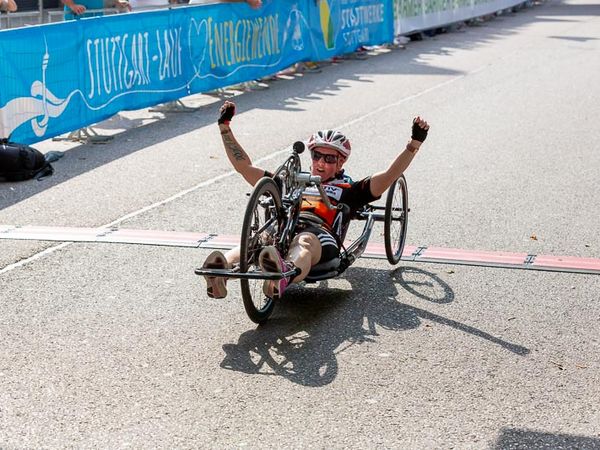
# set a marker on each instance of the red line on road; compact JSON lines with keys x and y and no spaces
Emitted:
{"x":435,"y":254}
{"x":374,"y":250}
{"x":152,"y":237}
{"x":220,"y":241}
{"x":566,"y":262}
{"x":109,"y":235}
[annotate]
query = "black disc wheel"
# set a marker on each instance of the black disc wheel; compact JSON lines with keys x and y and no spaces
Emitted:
{"x":262,"y":222}
{"x":395,"y":220}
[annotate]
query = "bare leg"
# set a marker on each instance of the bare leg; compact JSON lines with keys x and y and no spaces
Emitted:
{"x":305,"y":251}
{"x":233,"y":256}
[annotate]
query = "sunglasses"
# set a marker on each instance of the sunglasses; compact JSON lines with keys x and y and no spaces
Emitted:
{"x":329,"y":159}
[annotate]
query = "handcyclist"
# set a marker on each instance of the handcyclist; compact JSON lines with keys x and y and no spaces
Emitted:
{"x":321,"y":230}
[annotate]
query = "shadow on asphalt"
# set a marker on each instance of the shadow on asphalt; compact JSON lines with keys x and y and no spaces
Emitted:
{"x":289,"y":95}
{"x":516,"y":439}
{"x":311,"y":325}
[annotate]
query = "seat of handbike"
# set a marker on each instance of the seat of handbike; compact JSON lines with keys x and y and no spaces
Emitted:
{"x":324,"y":271}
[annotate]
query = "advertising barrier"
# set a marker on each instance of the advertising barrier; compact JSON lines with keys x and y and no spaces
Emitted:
{"x":341,"y":26}
{"x":63,"y":76}
{"x":415,"y":15}
{"x":60,"y":77}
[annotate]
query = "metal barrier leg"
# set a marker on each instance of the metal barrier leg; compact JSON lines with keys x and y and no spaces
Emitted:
{"x":248,"y":86}
{"x":220,"y":93}
{"x":173,"y":107}
{"x":85,"y":135}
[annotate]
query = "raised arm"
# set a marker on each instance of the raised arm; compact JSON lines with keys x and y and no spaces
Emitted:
{"x":383,"y":180}
{"x":8,"y":5}
{"x":239,"y":159}
{"x":254,"y":4}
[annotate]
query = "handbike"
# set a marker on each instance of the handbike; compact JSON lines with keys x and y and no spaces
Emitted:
{"x":272,"y":215}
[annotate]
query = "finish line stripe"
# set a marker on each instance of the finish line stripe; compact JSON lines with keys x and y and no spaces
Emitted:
{"x":375,"y":250}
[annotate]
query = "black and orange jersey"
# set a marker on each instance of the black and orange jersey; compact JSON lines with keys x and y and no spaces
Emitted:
{"x":339,"y":190}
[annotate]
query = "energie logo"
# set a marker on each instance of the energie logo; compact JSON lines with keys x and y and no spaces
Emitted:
{"x":326,"y":24}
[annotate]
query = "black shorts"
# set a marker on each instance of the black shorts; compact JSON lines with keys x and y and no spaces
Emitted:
{"x":329,"y":246}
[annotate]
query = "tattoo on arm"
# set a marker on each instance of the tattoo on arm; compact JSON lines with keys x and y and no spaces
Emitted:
{"x":232,"y":146}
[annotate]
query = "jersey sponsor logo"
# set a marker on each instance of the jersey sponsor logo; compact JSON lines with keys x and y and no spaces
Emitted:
{"x":335,"y":192}
{"x":312,"y":202}
{"x":337,"y":225}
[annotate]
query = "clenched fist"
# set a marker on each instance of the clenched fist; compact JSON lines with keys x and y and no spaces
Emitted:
{"x":419,"y":129}
{"x":227,"y":112}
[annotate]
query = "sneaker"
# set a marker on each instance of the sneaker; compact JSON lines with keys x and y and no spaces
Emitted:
{"x":311,"y":67}
{"x":270,"y":260}
{"x":215,"y":286}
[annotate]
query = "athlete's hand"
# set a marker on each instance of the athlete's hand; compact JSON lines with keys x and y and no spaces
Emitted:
{"x":419,"y":129}
{"x":254,"y":4}
{"x":77,"y":9}
{"x":122,"y":5}
{"x":227,"y":111}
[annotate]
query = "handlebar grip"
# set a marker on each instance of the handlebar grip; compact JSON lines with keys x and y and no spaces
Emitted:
{"x":307,"y":179}
{"x":315,"y":180}
{"x":298,"y":147}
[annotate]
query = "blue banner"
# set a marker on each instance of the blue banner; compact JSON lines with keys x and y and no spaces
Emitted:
{"x":60,"y":77}
{"x":246,"y":44}
{"x":342,"y":26}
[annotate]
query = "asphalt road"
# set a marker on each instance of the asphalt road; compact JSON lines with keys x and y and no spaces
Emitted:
{"x":116,"y":346}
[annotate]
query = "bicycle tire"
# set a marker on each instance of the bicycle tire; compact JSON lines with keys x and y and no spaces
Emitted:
{"x":395,"y":225}
{"x":265,"y":204}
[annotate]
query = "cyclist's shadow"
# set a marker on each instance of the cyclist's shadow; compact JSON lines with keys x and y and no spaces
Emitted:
{"x":313,"y":324}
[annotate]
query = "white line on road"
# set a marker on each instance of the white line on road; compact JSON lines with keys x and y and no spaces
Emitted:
{"x":232,"y":172}
{"x":411,"y":97}
{"x":34,"y":257}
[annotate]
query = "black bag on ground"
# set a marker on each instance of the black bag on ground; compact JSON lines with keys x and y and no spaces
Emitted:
{"x":20,"y":162}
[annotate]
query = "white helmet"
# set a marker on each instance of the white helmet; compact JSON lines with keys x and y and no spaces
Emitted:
{"x":331,"y":139}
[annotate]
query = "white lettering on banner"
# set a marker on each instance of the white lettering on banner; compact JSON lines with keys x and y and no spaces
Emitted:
{"x":356,"y":20}
{"x":170,"y":65}
{"x":360,"y":16}
{"x":356,"y":37}
{"x":119,"y":63}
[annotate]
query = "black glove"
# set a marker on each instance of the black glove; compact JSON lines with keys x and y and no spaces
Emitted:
{"x":226,"y":114}
{"x":418,"y":133}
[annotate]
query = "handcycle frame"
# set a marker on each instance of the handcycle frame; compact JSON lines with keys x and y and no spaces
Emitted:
{"x":277,"y":200}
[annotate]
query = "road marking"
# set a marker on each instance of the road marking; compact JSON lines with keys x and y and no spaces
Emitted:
{"x":34,"y":257}
{"x":426,"y":254}
{"x":213,"y":180}
{"x":411,"y":97}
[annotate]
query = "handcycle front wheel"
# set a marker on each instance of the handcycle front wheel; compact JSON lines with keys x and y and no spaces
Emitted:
{"x":395,"y":220}
{"x":262,"y":221}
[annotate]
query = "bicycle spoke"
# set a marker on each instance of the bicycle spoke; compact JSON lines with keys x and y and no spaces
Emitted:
{"x":261,"y":225}
{"x":395,"y":220}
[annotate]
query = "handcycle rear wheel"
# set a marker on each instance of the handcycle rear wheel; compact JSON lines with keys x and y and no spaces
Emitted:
{"x":395,"y":220}
{"x":262,"y":221}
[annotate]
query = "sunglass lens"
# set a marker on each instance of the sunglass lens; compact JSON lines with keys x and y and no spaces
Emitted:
{"x":329,"y":159}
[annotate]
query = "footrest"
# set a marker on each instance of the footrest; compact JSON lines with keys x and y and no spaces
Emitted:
{"x":254,"y":275}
